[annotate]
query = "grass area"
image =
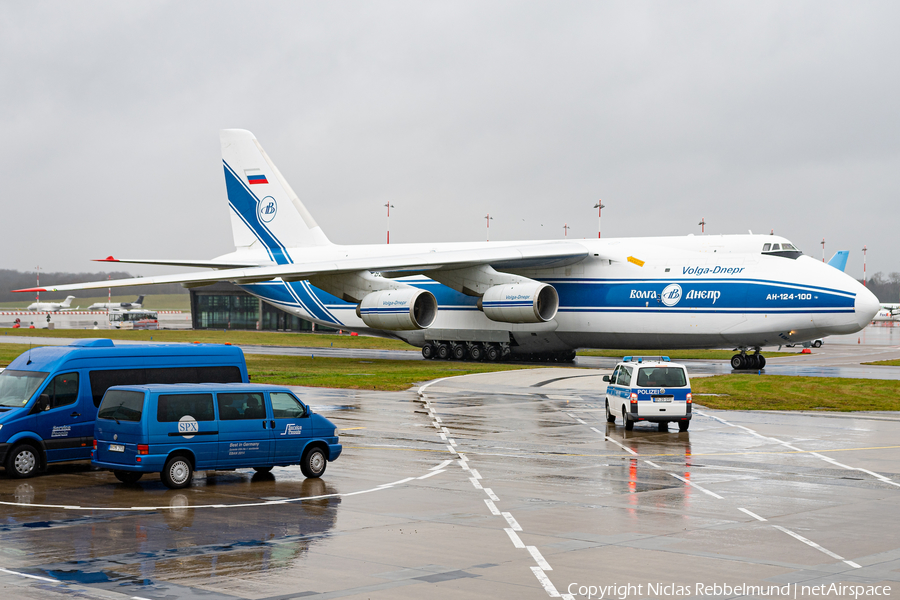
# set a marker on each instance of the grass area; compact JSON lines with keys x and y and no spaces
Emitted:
{"x":677,"y":354}
{"x":781,"y":392}
{"x":151,"y":302}
{"x":357,"y":374}
{"x":347,"y":373}
{"x":884,"y":363}
{"x":217,"y":336}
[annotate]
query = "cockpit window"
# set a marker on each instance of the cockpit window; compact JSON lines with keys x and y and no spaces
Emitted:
{"x":776,"y":247}
{"x":784,"y":250}
{"x":787,"y":247}
{"x":767,"y":247}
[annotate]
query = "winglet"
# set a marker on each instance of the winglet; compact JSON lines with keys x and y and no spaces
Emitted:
{"x":107,"y":259}
{"x":33,"y":290}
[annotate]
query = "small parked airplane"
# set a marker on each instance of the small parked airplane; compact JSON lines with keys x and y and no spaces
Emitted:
{"x":51,"y":306}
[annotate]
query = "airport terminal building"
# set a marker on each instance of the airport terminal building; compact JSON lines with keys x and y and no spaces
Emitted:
{"x":225,"y":306}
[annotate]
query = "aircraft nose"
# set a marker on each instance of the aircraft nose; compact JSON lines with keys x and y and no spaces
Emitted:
{"x":867,"y":306}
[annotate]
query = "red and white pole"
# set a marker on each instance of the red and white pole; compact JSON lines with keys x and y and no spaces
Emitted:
{"x":864,"y":265}
{"x":702,"y":225}
{"x":599,"y":206}
{"x":389,"y":207}
{"x":37,"y":294}
{"x":488,"y":218}
{"x":823,"y":249}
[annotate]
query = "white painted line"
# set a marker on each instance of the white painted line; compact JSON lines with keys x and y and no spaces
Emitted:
{"x":580,"y":421}
{"x":462,"y":456}
{"x":475,"y":474}
{"x":438,"y":419}
{"x":453,"y":443}
{"x":492,"y":495}
{"x":451,"y":449}
{"x":29,"y":576}
{"x":440,"y":466}
{"x":475,"y":483}
{"x":653,"y":464}
{"x":812,"y":544}
{"x":492,"y":507}
{"x":516,"y":540}
{"x":397,"y":482}
{"x":545,"y":581}
{"x":853,"y":564}
{"x":623,"y":447}
{"x":595,"y":430}
{"x":445,"y":430}
{"x":463,"y":464}
{"x":512,"y":521}
{"x":752,"y":514}
{"x":427,"y":475}
{"x":436,"y":424}
{"x":539,"y":558}
{"x":139,"y":598}
{"x":443,"y":436}
{"x":692,"y":484}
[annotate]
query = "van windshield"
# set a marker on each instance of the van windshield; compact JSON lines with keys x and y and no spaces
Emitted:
{"x":121,"y":405}
{"x":661,"y":377}
{"x":17,"y":387}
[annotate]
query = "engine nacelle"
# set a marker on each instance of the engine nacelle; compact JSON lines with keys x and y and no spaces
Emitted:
{"x":398,"y":310}
{"x":520,"y":303}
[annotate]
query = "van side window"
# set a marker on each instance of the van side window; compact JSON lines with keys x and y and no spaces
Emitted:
{"x":61,"y":391}
{"x":235,"y":407}
{"x":624,"y":376}
{"x":612,"y":378}
{"x":285,"y":406}
{"x":103,"y":380}
{"x":171,"y":407}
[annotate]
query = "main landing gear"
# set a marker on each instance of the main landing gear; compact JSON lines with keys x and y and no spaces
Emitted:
{"x":748,"y":362}
{"x":488,"y":351}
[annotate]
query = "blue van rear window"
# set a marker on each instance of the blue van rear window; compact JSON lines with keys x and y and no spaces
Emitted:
{"x":171,"y":407}
{"x":661,"y":377}
{"x":122,"y":405}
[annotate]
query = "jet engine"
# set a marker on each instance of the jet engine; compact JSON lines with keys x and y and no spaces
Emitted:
{"x":397,"y":310}
{"x":520,"y":303}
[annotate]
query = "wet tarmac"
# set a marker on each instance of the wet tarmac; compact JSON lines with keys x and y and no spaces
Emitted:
{"x":501,"y":485}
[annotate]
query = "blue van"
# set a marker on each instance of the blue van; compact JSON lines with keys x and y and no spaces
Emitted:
{"x":175,"y":430}
{"x":50,"y":394}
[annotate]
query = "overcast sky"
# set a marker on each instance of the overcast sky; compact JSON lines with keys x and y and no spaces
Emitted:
{"x":753,"y":116}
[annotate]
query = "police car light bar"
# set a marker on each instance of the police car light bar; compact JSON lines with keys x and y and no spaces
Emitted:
{"x":641,"y":359}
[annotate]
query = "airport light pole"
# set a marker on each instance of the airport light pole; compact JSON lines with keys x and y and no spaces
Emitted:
{"x":865,"y":248}
{"x":702,"y":225}
{"x":488,"y":218}
{"x":389,"y":207}
{"x":823,"y":249}
{"x":566,"y":229}
{"x":37,"y":295}
{"x":599,"y":206}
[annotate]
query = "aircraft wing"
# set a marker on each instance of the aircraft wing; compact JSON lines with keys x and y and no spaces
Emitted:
{"x":537,"y":254}
{"x":209,"y":264}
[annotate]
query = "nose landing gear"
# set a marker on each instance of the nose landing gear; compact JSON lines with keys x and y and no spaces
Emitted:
{"x":748,"y":362}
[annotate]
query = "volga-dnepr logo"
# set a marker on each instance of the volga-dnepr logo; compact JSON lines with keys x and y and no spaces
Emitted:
{"x":671,"y":294}
{"x":267,"y":209}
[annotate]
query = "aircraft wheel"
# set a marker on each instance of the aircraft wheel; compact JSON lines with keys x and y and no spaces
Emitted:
{"x":459,"y":352}
{"x":629,"y":424}
{"x":428,"y":351}
{"x":443,"y":351}
{"x":737,"y":362}
{"x":610,"y":418}
{"x":752,"y":362}
{"x":492,"y":352}
{"x":683,"y":425}
{"x":476,"y":352}
{"x":762,"y":361}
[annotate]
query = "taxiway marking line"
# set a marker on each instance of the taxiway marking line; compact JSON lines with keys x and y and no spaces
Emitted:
{"x":29,"y":576}
{"x":692,"y":484}
{"x":492,"y":507}
{"x":539,"y":558}
{"x":812,"y":544}
{"x":752,"y":514}
{"x":877,"y":476}
{"x":514,"y":537}
{"x":609,"y":439}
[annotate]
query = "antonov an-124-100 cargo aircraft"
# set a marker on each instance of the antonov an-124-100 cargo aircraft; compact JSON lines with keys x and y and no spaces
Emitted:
{"x":527,"y":300}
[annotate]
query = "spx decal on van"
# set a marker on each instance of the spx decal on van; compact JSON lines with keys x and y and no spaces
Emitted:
{"x":187,"y":424}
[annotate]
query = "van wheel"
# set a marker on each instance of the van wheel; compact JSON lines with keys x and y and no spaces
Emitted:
{"x":177,"y":473}
{"x":314,"y":462}
{"x":817,"y":344}
{"x":262,"y":469}
{"x":24,"y":461}
{"x":629,"y":424}
{"x":610,"y":418}
{"x":683,"y":425}
{"x":128,"y":476}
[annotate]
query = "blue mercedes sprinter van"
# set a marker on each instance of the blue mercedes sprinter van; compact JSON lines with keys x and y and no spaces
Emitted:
{"x":175,"y":430}
{"x":50,"y":394}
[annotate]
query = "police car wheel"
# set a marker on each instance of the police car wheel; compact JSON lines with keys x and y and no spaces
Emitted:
{"x":817,"y":344}
{"x":610,"y":418}
{"x":313,"y":463}
{"x":128,"y":476}
{"x":629,"y":424}
{"x":262,"y":469}
{"x":177,"y":473}
{"x":24,"y":461}
{"x":683,"y":425}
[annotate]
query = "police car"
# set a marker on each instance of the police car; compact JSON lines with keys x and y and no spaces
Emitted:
{"x":651,"y":389}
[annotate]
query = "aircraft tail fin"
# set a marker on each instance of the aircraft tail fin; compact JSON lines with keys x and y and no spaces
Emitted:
{"x":264,"y":208}
{"x":67,"y":302}
{"x":839,"y":260}
{"x":140,"y":300}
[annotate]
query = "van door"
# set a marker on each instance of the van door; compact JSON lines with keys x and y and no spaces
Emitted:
{"x":291,"y":428}
{"x":187,"y":421}
{"x":62,"y":422}
{"x":244,"y":434}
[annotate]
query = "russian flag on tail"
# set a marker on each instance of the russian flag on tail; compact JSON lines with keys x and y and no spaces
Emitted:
{"x":254,"y":176}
